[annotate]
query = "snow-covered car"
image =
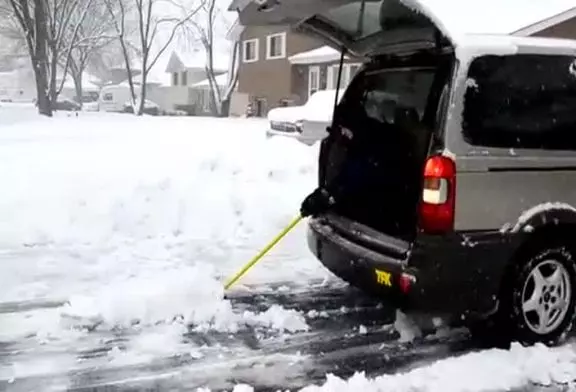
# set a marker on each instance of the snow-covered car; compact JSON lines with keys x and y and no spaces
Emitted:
{"x":292,"y":121}
{"x":150,"y":108}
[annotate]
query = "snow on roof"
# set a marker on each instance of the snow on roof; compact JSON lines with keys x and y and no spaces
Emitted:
{"x":197,"y":59}
{"x":221,"y":80}
{"x":457,"y":18}
{"x":324,"y":54}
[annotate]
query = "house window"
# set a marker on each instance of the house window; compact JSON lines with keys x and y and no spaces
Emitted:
{"x":332,"y":76}
{"x":250,"y":51}
{"x":313,"y":80}
{"x":175,"y":79}
{"x":348,"y":72}
{"x":276,"y":46}
{"x":184,"y":79}
{"x":108,"y":97}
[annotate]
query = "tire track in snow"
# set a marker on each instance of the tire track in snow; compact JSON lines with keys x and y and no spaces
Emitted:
{"x":266,"y":359}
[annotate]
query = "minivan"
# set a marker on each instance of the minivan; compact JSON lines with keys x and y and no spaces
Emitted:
{"x":474,"y":217}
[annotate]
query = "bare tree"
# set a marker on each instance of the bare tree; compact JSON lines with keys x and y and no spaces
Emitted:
{"x":232,"y":80}
{"x":50,"y":29}
{"x":149,"y":24}
{"x":117,"y":11}
{"x":93,"y":35}
{"x":32,"y":19}
{"x":208,"y":29}
{"x":65,"y":18}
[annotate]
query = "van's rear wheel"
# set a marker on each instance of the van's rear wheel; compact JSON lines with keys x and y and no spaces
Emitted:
{"x":538,"y":300}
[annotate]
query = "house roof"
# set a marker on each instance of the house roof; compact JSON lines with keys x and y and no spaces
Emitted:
{"x":547,"y":23}
{"x":180,"y":59}
{"x":221,"y":80}
{"x":324,"y":54}
{"x":233,"y":34}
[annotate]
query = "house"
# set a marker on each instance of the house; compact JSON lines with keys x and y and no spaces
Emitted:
{"x":187,"y":70}
{"x":310,"y":65}
{"x":266,"y":78}
{"x":320,"y":68}
{"x":201,"y":92}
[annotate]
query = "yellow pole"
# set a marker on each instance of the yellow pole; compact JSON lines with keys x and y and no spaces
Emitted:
{"x":263,"y":252}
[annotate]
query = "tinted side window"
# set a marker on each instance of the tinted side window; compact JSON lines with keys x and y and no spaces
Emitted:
{"x":522,"y":101}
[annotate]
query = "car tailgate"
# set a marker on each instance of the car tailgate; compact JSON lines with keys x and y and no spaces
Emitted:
{"x":360,"y":234}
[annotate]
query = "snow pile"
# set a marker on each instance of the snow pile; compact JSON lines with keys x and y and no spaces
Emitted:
{"x":136,"y":221}
{"x":481,"y":371}
{"x":407,"y":327}
{"x":188,"y":295}
{"x":276,"y":317}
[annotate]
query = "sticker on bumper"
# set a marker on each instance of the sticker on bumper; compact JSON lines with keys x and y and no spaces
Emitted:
{"x":383,"y":278}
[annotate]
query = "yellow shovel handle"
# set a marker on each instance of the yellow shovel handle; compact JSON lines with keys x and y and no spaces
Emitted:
{"x":261,"y":254}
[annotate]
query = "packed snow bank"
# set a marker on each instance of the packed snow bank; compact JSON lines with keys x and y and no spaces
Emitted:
{"x":481,"y":371}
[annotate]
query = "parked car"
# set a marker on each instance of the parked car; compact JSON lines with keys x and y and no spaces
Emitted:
{"x":150,"y":108}
{"x":89,"y":101}
{"x":471,"y":213}
{"x":306,"y":123}
{"x":66,"y":104}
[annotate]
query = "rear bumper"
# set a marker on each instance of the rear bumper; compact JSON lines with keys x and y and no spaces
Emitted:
{"x":447,"y":275}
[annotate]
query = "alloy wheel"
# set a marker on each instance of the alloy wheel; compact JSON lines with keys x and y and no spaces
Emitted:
{"x":546,"y":296}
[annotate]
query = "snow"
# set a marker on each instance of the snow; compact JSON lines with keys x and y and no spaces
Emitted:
{"x":134,"y":223}
{"x":406,"y":327}
{"x":131,"y":224}
{"x":480,"y":371}
{"x":527,"y":215}
{"x":318,"y":108}
{"x":323,"y":54}
{"x":459,"y":18}
{"x":287,"y":114}
{"x":87,"y":82}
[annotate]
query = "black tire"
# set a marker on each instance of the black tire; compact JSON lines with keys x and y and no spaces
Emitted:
{"x":511,"y":322}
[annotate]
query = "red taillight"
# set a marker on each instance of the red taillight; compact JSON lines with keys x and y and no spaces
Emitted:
{"x":438,"y":195}
{"x":405,"y":282}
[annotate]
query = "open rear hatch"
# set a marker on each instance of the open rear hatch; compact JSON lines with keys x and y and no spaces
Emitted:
{"x":362,"y":27}
{"x":374,"y":160}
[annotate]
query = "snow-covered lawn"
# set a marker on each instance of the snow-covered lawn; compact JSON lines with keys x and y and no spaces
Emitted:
{"x":111,"y":222}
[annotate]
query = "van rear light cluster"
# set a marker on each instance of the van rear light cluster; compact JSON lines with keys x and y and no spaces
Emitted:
{"x":436,"y":211}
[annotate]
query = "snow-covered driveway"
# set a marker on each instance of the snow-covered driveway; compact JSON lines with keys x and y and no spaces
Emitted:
{"x":115,"y":235}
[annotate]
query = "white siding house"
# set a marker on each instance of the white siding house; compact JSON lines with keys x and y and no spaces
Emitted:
{"x":185,"y":72}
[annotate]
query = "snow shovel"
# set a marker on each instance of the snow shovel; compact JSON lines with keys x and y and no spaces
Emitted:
{"x":262,"y":253}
